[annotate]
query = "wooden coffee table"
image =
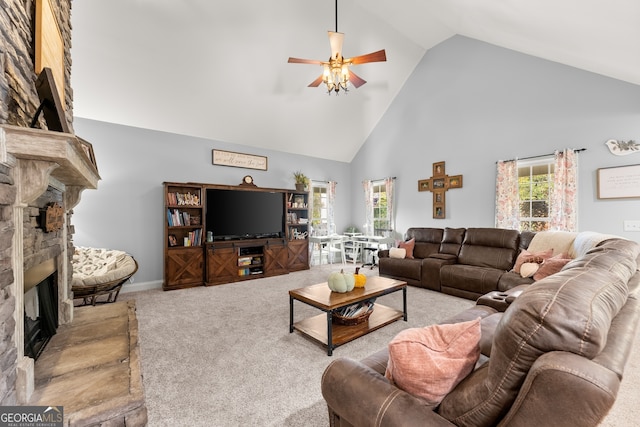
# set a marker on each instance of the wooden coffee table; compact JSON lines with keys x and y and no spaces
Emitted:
{"x":321,"y":328}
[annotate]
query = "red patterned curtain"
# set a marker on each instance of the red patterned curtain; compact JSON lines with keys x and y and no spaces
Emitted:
{"x":507,"y":198}
{"x":564,"y":199}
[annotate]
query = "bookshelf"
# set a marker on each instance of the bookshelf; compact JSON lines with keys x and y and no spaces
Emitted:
{"x":298,"y":230}
{"x":190,"y":259}
{"x":183,"y":235}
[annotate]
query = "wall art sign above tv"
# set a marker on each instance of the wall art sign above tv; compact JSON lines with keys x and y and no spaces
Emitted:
{"x":239,"y":160}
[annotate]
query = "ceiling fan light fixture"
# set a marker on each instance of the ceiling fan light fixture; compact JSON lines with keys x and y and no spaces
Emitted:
{"x":335,"y":72}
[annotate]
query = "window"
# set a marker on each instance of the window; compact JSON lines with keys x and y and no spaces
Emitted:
{"x":380,"y":217}
{"x":535,"y":189}
{"x":319,"y":211}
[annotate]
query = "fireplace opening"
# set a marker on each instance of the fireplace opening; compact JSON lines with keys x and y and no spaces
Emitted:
{"x":40,"y":308}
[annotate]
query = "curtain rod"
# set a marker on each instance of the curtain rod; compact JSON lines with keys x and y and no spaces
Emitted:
{"x":381,"y":179}
{"x":541,"y":155}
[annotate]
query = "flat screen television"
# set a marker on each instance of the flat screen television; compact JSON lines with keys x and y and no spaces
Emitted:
{"x":238,"y":214}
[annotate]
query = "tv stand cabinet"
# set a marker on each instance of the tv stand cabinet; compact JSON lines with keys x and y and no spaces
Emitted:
{"x":190,"y":260}
{"x":232,"y":261}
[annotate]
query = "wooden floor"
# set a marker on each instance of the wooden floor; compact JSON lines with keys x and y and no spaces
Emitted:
{"x":92,"y":368}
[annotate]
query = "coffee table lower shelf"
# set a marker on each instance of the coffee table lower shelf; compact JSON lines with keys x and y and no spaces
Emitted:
{"x":316,"y":327}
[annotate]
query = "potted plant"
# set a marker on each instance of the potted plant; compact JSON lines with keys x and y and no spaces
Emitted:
{"x":301,"y":180}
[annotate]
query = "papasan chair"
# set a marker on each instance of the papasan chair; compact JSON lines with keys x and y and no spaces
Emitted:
{"x":98,"y":272}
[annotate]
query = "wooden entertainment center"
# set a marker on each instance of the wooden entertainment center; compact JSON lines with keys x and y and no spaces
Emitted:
{"x":191,"y":258}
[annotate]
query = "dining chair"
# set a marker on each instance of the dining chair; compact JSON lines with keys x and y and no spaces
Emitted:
{"x":353,"y":248}
{"x":335,"y":246}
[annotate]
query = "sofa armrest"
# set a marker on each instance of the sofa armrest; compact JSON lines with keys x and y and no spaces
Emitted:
{"x":572,"y":378}
{"x":383,"y":253}
{"x":501,"y":300}
{"x":363,"y":397}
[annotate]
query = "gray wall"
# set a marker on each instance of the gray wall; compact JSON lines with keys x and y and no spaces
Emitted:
{"x":467,"y":103}
{"x":470,"y":103}
{"x":127,"y":210}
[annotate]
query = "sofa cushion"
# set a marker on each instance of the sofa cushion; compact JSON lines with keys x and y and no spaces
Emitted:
{"x":408,"y":247}
{"x":452,"y":240}
{"x":408,"y":269}
{"x":427,"y":240}
{"x":528,"y":256}
{"x":398,"y":253}
{"x":478,"y":280}
{"x":429,"y":362}
{"x":489,"y":247}
{"x":551,"y":266}
{"x":528,"y":269}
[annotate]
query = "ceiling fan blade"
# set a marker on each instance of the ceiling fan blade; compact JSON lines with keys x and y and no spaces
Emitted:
{"x":303,"y":61}
{"x":356,"y":80}
{"x":316,"y":82}
{"x":336,"y":40}
{"x":379,"y":56}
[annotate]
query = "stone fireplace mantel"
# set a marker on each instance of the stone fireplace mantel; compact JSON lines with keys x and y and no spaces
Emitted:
{"x":40,"y":159}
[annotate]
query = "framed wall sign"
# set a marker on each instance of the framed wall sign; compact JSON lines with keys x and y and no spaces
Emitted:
{"x":620,"y":182}
{"x":239,"y":160}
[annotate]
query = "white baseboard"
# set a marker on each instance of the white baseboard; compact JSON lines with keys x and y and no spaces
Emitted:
{"x":142,"y":286}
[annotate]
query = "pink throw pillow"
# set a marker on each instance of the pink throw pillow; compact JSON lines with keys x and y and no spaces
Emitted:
{"x":526,"y":256}
{"x":429,"y":362}
{"x":408,"y":246}
{"x":551,"y":266}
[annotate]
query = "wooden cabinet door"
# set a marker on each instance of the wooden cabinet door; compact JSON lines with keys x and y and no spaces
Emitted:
{"x":298,"y":254}
{"x":183,"y":267}
{"x":275,"y":259}
{"x":222,"y":265}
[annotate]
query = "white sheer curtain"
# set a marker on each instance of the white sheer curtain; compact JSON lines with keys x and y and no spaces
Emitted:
{"x":389,"y":184}
{"x":331,"y":202}
{"x":564,"y":198}
{"x":367,"y":186}
{"x":507,"y":199}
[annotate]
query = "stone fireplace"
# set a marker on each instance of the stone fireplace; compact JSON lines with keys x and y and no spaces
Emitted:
{"x":37,"y":167}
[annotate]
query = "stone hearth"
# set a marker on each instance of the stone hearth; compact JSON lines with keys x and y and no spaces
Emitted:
{"x":92,"y":368}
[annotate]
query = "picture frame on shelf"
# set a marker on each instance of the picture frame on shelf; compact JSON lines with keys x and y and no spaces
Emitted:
{"x":438,"y":169}
{"x":455,"y":181}
{"x":424,"y":185}
{"x":173,"y":240}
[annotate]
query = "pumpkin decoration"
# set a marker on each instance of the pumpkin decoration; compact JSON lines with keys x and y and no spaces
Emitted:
{"x":361,"y":279}
{"x":341,"y":282}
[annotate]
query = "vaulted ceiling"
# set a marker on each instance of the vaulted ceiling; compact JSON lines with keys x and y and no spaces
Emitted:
{"x":218,"y":69}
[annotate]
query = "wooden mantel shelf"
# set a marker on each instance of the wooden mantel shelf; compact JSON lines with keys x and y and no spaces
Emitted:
{"x":74,"y":167}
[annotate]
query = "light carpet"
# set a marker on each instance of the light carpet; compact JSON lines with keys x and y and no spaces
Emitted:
{"x":223,"y":355}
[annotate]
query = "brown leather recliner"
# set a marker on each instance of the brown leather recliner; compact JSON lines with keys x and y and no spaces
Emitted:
{"x":554,"y":356}
{"x":465,"y":262}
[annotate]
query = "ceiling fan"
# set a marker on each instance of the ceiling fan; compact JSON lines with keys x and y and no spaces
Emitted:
{"x":336,"y":73}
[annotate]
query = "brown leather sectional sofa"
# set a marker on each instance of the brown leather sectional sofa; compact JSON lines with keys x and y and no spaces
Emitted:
{"x":552,"y":354}
{"x":466,"y":262}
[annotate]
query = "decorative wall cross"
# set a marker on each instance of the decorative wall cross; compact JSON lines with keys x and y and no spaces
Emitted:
{"x":438,"y":184}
